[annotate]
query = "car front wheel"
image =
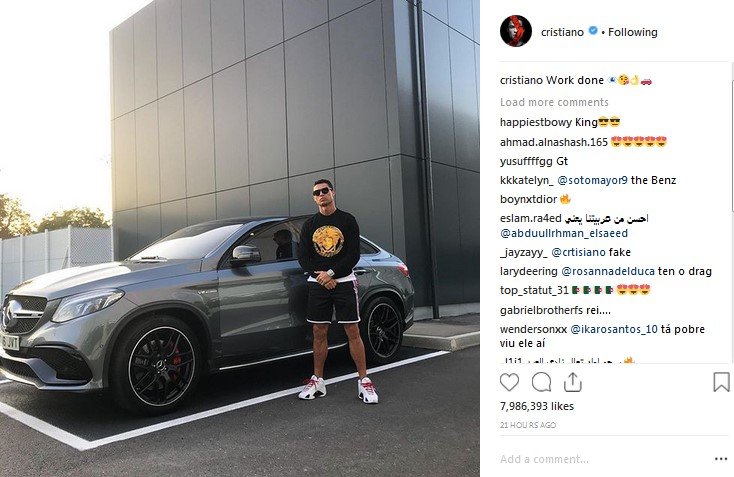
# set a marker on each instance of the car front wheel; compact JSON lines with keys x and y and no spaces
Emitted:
{"x":156,"y":365}
{"x":382,"y":330}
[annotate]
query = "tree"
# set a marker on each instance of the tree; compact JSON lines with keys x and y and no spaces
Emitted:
{"x":14,"y":221}
{"x":77,"y":217}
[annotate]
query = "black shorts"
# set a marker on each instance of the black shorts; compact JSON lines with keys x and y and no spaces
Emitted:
{"x":323,"y":302}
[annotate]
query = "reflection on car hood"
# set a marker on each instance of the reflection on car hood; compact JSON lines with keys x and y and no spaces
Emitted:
{"x":70,"y":281}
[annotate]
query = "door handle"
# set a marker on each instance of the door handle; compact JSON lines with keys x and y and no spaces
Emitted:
{"x":361,"y":271}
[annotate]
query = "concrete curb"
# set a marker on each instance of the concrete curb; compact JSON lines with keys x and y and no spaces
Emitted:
{"x":443,"y":343}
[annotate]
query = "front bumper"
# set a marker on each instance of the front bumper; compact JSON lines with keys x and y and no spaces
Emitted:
{"x":65,"y":356}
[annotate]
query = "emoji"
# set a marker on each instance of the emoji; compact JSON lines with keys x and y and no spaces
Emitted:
{"x":629,"y":360}
{"x":622,"y":289}
{"x":661,"y":140}
{"x":614,"y":121}
{"x":646,"y":82}
{"x":650,"y":141}
{"x":623,"y":80}
{"x":644,"y":289}
{"x":627,"y":141}
{"x":633,"y":289}
{"x":635,"y":80}
{"x":616,"y":141}
{"x":639,"y":141}
{"x":603,"y":121}
{"x":565,"y":199}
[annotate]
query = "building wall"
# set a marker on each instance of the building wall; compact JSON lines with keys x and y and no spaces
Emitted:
{"x":226,"y":108}
{"x":451,"y":37}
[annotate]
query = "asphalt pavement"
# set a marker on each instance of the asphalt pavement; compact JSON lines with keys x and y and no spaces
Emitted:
{"x":427,"y":423}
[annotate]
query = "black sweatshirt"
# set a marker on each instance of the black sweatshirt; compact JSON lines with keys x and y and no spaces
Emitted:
{"x":329,"y":242}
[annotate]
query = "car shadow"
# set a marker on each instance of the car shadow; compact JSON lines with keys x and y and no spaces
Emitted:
{"x":93,"y":416}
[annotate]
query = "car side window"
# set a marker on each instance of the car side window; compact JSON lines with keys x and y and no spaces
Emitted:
{"x":279,"y":242}
{"x":366,"y":249}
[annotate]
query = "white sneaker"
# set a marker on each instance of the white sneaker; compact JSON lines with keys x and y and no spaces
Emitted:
{"x":315,"y":388}
{"x":366,"y":391}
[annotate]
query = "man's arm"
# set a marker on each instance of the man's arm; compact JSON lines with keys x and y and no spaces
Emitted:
{"x":346,"y":263}
{"x":305,"y":248}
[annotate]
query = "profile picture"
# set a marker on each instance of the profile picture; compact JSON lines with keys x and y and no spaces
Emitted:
{"x":516,"y":30}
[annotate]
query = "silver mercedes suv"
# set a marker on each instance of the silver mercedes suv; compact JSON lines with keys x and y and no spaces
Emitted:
{"x":211,"y":297}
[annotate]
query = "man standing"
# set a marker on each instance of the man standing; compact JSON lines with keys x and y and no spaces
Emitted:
{"x":329,"y":250}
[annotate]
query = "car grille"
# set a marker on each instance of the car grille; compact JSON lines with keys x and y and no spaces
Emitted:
{"x":23,"y":325}
{"x":29,"y":303}
{"x":19,"y":369}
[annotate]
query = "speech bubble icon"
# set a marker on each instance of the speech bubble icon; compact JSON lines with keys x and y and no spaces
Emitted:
{"x":542,"y":382}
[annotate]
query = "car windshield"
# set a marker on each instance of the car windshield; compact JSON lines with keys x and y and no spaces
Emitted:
{"x":188,"y":243}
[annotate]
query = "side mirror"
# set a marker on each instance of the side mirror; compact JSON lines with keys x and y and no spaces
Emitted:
{"x":246,"y":253}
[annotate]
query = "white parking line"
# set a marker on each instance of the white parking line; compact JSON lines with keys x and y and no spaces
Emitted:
{"x":44,"y":427}
{"x":83,"y":444}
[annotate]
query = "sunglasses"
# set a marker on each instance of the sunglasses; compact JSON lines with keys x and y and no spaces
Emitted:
{"x":323,"y":191}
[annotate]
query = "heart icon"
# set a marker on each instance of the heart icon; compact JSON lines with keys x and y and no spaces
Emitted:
{"x":509,"y":381}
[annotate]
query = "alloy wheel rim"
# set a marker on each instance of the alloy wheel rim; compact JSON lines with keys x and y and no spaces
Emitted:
{"x":383,"y":330}
{"x":161,"y":366}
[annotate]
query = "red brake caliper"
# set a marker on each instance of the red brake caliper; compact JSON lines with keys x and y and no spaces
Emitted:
{"x":176,"y":358}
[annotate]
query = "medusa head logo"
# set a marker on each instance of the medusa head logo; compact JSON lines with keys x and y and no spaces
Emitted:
{"x":328,"y":241}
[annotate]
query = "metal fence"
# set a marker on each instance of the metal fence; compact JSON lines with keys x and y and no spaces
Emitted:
{"x":22,"y":258}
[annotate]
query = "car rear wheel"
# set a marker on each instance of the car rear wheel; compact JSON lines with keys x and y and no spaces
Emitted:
{"x":156,"y":365}
{"x":382,"y":330}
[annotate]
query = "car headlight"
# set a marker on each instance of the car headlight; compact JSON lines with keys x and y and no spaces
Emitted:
{"x":85,"y":303}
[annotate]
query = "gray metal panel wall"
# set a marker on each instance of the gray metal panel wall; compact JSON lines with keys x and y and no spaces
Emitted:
{"x":199,"y":137}
{"x":448,"y":236}
{"x":437,"y":8}
{"x":413,"y":228}
{"x":438,"y":90}
{"x":228,"y":33}
{"x":269,"y":198}
{"x":364,"y":191}
{"x":302,"y":15}
{"x":201,"y":208}
{"x":124,"y":162}
{"x":168,"y":45}
{"x":464,"y":93}
{"x":197,"y":40}
{"x":475,"y":14}
{"x":123,"y":69}
{"x":172,"y":148}
{"x":258,"y":119}
{"x":149,"y":224}
{"x":266,"y":116}
{"x":340,"y":7}
{"x":469,"y":231}
{"x":146,"y":78}
{"x":233,"y":203}
{"x":405,"y":80}
{"x":263,"y":25}
{"x":461,"y":18}
{"x":147,"y":165}
{"x":173,"y":217}
{"x":230,"y":128}
{"x":358,"y":86}
{"x":126,"y":232}
{"x":308,"y":94}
